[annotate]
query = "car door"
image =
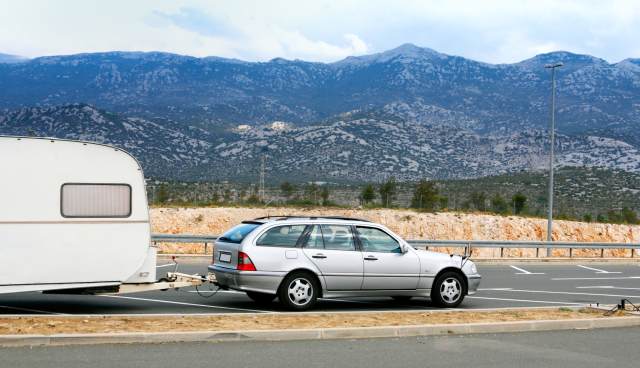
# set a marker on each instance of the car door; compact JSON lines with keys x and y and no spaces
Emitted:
{"x":385,"y":266}
{"x":332,"y":248}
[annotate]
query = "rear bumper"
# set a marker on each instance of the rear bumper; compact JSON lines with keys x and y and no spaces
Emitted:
{"x":259,"y":281}
{"x":473,"y":284}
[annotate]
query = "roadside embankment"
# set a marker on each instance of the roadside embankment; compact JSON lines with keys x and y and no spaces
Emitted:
{"x":407,"y":223}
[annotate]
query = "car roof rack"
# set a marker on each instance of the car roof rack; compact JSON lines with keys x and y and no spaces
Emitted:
{"x":286,"y":217}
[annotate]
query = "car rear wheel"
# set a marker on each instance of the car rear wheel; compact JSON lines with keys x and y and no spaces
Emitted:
{"x":448,"y":290}
{"x":260,"y":298}
{"x":299,"y":291}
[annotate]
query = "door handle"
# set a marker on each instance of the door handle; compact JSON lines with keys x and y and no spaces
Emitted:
{"x":370,"y":258}
{"x":318,"y":256}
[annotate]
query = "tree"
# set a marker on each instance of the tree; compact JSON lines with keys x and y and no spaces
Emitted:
{"x":324,"y":194}
{"x":519,"y":201}
{"x":388,"y":192}
{"x":444,"y":202}
{"x":587,"y":217}
{"x":479,"y":200}
{"x":630,"y":216}
{"x":498,"y":204}
{"x":311,"y":192}
{"x":425,"y":196}
{"x":163,"y":194}
{"x":368,"y":194}
{"x":287,"y":189}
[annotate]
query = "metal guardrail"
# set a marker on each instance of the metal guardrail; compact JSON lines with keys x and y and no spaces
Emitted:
{"x":469,"y":245}
{"x":184,"y":238}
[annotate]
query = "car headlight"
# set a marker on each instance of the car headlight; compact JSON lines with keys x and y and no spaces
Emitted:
{"x":473,"y":268}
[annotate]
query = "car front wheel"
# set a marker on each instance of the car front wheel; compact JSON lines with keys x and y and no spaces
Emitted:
{"x":448,"y":290}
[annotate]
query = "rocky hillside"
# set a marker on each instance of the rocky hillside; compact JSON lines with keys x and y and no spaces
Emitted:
{"x":409,"y":224}
{"x":411,"y":112}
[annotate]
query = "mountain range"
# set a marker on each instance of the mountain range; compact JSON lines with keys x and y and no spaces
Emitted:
{"x":410,"y":112}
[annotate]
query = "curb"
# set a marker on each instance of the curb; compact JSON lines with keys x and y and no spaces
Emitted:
{"x":316,"y":334}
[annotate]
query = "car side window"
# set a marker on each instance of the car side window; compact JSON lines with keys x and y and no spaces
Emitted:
{"x":338,"y":237}
{"x":376,"y":240}
{"x":281,"y":236}
{"x":314,"y":240}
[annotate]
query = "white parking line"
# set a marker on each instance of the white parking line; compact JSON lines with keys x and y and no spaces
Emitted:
{"x":32,"y":310}
{"x":597,"y":269}
{"x":166,"y":265}
{"x":596,"y":278}
{"x":187,"y":304}
{"x":568,"y":293}
{"x":606,"y":287}
{"x":525,"y":272}
{"x":524,"y":300}
{"x":217,"y":291}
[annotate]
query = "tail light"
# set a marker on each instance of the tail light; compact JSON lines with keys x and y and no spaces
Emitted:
{"x":244,"y":263}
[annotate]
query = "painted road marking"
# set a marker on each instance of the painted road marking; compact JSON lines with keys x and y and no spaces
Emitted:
{"x":217,"y":291}
{"x":494,"y":289}
{"x":166,"y":265}
{"x":605,"y":287}
{"x":32,"y":310}
{"x":596,"y":278}
{"x":525,"y":272}
{"x":182,"y":303}
{"x":568,"y":293}
{"x":597,"y":269}
{"x":524,"y":300}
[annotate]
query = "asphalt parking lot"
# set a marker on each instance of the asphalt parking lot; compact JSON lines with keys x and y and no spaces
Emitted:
{"x":567,"y":349}
{"x":503,"y":286}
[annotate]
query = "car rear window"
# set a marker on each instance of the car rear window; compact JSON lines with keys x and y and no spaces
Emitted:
{"x":281,"y":236}
{"x":237,"y":233}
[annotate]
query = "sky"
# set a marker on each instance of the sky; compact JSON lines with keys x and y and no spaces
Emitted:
{"x":318,"y":30}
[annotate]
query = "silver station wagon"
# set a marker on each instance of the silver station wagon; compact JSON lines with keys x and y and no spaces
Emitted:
{"x":301,"y":259}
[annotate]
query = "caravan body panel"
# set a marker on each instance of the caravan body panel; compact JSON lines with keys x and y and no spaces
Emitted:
{"x":94,"y":231}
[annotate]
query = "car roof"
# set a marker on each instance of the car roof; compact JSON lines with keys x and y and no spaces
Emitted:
{"x":306,"y":219}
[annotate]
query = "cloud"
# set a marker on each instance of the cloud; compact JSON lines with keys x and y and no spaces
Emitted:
{"x":256,"y":40}
{"x":197,"y":21}
{"x":496,"y":31}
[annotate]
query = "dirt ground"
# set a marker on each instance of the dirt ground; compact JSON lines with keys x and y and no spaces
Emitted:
{"x":48,"y":325}
{"x":407,"y":223}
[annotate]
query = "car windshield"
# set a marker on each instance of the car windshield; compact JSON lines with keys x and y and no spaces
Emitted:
{"x":237,"y":233}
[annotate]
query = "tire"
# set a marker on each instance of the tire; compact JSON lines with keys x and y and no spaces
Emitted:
{"x":401,"y":298}
{"x":260,"y":298}
{"x":449,"y":290}
{"x":299,"y":291}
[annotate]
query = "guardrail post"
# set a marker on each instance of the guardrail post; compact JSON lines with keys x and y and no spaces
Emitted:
{"x":570,"y":252}
{"x":601,"y":252}
{"x":537,"y":252}
{"x":501,"y":252}
{"x":205,"y":247}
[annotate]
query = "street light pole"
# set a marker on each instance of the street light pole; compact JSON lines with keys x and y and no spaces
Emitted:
{"x":551,"y":153}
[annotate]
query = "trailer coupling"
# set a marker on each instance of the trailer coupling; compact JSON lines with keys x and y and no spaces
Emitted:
{"x":174,"y":280}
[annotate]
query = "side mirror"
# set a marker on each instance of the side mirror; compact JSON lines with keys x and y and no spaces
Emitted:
{"x":404,"y":247}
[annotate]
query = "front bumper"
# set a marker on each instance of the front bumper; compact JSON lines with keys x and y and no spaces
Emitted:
{"x":473,"y":282}
{"x":259,"y":281}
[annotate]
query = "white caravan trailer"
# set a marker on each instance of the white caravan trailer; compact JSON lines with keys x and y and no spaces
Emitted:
{"x":73,"y":218}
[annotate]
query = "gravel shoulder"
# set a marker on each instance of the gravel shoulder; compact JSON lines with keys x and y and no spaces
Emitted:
{"x":51,"y":325}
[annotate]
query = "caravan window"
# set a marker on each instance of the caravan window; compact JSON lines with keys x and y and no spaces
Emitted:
{"x":95,"y":200}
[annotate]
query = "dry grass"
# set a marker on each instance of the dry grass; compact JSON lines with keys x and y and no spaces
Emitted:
{"x":48,"y":325}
